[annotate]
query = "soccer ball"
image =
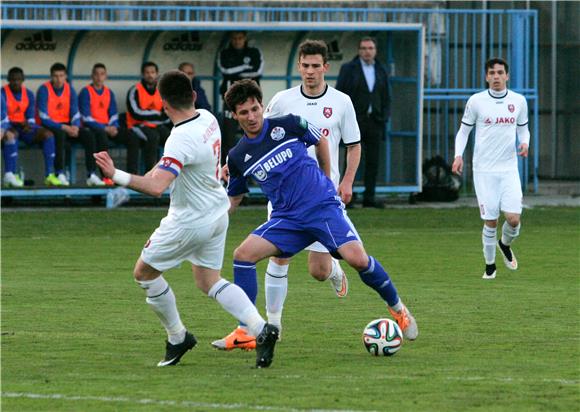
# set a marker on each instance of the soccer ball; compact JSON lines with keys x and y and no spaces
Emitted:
{"x":382,"y":337}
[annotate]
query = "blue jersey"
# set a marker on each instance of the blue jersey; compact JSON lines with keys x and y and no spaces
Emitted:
{"x":278,"y":161}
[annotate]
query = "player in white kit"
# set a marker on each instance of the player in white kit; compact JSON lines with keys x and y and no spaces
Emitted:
{"x":332,"y":112}
{"x":499,"y":116}
{"x":196,"y":224}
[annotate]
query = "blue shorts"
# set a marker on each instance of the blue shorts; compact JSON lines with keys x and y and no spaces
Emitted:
{"x":329,"y":225}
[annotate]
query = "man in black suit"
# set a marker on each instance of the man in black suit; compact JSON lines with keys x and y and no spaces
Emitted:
{"x":365,"y":80}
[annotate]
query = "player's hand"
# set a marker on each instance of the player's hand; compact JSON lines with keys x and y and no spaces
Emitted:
{"x":105,"y":162}
{"x":112,"y":131}
{"x":9,"y":135}
{"x":457,"y":166}
{"x":523,"y":150}
{"x":345,"y":192}
{"x":225,"y":174}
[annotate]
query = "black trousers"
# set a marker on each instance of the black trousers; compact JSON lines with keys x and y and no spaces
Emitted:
{"x":372,"y":134}
{"x":230,"y":129}
{"x":102,"y":140}
{"x":86,"y":139}
{"x":148,"y":140}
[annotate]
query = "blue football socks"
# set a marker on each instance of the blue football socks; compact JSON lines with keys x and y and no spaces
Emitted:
{"x":377,"y":278}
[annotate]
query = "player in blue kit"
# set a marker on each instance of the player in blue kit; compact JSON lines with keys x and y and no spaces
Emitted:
{"x":306,"y":206}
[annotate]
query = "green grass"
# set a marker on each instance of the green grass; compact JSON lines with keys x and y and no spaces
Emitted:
{"x":75,"y":324}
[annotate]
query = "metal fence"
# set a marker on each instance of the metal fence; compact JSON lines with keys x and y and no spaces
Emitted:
{"x":457,"y":43}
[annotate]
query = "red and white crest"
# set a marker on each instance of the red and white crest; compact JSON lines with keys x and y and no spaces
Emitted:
{"x":327,"y":112}
{"x":511,"y":108}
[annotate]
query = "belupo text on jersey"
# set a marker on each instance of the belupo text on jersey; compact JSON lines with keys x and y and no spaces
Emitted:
{"x":277,"y":159}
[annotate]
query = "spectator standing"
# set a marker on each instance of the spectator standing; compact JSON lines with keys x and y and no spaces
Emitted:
{"x":236,"y":61}
{"x":148,"y":125}
{"x":366,"y":80}
{"x":21,"y":125}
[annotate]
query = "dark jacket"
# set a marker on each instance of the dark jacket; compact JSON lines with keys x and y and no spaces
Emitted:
{"x":201,"y":102}
{"x":246,"y":63}
{"x":351,"y":80}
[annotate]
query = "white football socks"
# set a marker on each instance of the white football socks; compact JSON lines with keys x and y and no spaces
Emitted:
{"x":488,"y":238}
{"x":509,"y":233}
{"x":335,"y":271}
{"x":161,"y":299}
{"x":276,"y":286}
{"x":234,"y":300}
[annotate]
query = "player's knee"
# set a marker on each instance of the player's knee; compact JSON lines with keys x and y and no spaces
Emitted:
{"x":359,"y":264}
{"x":319,"y":273}
{"x":513,"y":220}
{"x":243,"y":254}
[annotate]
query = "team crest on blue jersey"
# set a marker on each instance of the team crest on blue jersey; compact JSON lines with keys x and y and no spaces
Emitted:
{"x":277,"y":133}
{"x":260,"y":174}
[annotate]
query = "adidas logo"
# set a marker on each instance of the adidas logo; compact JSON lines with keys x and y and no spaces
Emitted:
{"x":350,"y":233}
{"x":248,"y":157}
{"x":184,"y":42}
{"x":41,"y":41}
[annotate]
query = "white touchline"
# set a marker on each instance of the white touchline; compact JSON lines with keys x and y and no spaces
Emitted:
{"x":183,"y":404}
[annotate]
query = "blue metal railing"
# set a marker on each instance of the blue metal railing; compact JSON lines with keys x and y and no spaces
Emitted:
{"x":457,"y":43}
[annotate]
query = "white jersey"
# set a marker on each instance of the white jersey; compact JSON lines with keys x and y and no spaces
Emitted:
{"x":192,"y":153}
{"x":496,"y":120}
{"x":331,"y":112}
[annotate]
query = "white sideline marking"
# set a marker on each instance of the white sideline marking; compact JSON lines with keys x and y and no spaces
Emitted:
{"x":182,"y":404}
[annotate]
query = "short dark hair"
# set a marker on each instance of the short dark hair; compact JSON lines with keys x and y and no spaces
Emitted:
{"x":57,"y":67}
{"x":312,"y":47}
{"x":149,"y":64}
{"x":14,"y":71}
{"x":241,"y":91}
{"x":368,"y":38}
{"x":98,"y":66}
{"x":182,"y":66}
{"x":496,"y":60}
{"x":175,"y":88}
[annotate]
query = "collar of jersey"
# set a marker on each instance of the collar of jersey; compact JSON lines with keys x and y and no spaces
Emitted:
{"x":497,"y":97}
{"x":314,"y":97}
{"x":188,"y":120}
{"x":260,"y":137}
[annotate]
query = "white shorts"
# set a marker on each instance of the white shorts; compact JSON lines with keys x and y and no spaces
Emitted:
{"x":315,"y":247}
{"x":498,"y":191}
{"x":171,"y":244}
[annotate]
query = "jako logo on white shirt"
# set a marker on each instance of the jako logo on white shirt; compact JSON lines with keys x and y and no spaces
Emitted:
{"x":505,"y":120}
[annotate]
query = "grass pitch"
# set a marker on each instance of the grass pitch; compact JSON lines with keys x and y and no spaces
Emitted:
{"x":78,"y":336}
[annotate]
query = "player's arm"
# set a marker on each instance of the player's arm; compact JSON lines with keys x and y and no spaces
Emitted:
{"x":467,"y":123}
{"x":323,"y":155}
{"x":235,"y":202}
{"x":460,"y":142}
{"x":523,"y":133}
{"x":237,"y":185}
{"x":153,"y":184}
{"x":353,"y":154}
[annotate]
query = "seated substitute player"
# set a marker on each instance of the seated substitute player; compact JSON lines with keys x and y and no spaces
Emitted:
{"x":57,"y":105}
{"x":98,"y":108}
{"x":22,"y":126}
{"x":498,"y":115}
{"x":305,"y":204}
{"x":195,"y":227}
